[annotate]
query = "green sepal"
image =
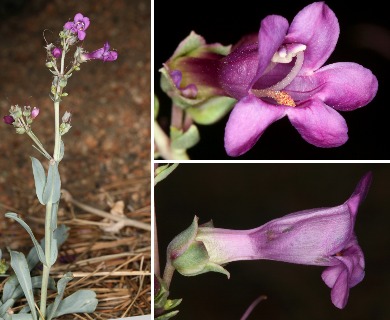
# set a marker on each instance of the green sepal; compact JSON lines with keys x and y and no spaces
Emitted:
{"x":190,"y":43}
{"x":185,"y":140}
{"x":183,"y":240}
{"x":212,"y":110}
{"x":161,"y":172}
{"x":193,"y":261}
{"x":189,"y":46}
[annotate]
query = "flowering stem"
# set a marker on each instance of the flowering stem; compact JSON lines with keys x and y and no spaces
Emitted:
{"x":35,"y":139}
{"x":39,"y":144}
{"x":163,"y":144}
{"x":177,"y":117}
{"x":49,"y":207}
{"x":168,"y":274}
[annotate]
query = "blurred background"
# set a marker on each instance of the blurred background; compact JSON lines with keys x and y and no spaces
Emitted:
{"x":364,"y":39}
{"x":247,"y":195}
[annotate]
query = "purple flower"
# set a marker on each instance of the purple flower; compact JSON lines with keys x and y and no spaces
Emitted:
{"x":79,"y":25}
{"x":56,"y":52}
{"x":281,"y":73}
{"x":101,"y":54}
{"x":34,"y":112}
{"x":320,"y":237}
{"x":8,"y":119}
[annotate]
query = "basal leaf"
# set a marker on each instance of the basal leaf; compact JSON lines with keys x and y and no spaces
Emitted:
{"x":82,"y":301}
{"x":61,"y":285}
{"x":40,"y":252}
{"x":20,"y":267}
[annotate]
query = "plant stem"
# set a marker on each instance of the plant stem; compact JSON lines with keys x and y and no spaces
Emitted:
{"x":168,"y":274}
{"x":49,"y":206}
{"x":163,"y":144}
{"x":46,"y":268}
{"x":39,"y":144}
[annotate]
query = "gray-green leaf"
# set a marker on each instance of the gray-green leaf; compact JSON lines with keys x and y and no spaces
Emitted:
{"x":19,"y":265}
{"x":39,"y":178}
{"x":82,"y":301}
{"x":61,"y":285}
{"x":9,"y":288}
{"x":4,"y":308}
{"x":23,"y":316}
{"x":36,"y":282}
{"x":53,"y":185}
{"x":40,"y":252}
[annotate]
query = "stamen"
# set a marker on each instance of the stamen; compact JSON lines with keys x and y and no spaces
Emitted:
{"x":281,"y":97}
{"x":275,"y":92}
{"x":80,"y":26}
{"x":291,"y":75}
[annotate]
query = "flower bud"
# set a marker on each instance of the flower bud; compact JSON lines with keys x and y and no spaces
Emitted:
{"x":15,"y":112}
{"x":64,"y":128}
{"x":34,"y":112}
{"x":27,"y":111}
{"x":20,"y":130}
{"x":66,"y":117}
{"x":8,"y":119}
{"x":56,"y":52}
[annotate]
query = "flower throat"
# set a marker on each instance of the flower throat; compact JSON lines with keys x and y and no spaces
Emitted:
{"x":275,"y":92}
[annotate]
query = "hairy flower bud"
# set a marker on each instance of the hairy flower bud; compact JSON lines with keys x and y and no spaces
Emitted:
{"x":56,"y":52}
{"x":8,"y":119}
{"x":34,"y":112}
{"x":66,"y":117}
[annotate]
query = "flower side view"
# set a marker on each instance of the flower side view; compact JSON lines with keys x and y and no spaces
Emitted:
{"x":319,"y":237}
{"x":101,"y":54}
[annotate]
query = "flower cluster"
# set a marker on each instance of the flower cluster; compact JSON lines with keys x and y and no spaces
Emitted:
{"x":73,"y":32}
{"x":318,"y":237}
{"x":20,"y":118}
{"x":279,"y":72}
